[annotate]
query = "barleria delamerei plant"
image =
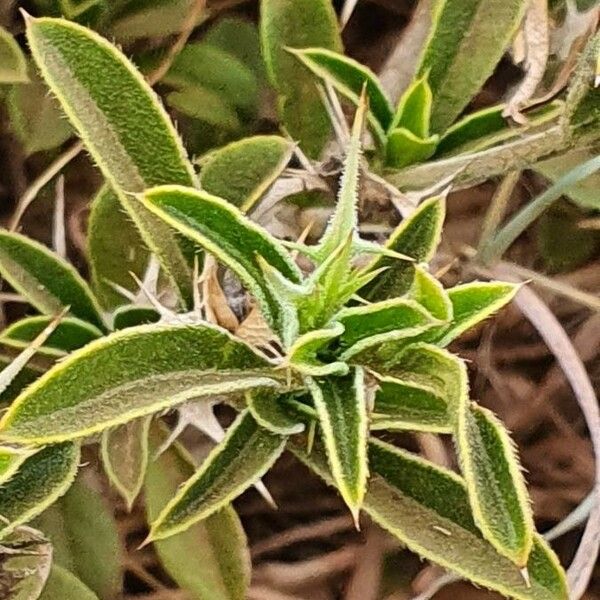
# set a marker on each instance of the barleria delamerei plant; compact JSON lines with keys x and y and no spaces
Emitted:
{"x":322,"y":357}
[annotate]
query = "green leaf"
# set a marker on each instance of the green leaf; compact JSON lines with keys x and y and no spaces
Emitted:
{"x":210,"y":559}
{"x":242,"y":171}
{"x":246,"y":453}
{"x":223,"y":231}
{"x":115,"y":249}
{"x":405,"y":148}
{"x":430,"y":294}
{"x":270,"y":411}
{"x":13,"y":65}
{"x":132,"y":316}
{"x":408,"y":406}
{"x":468,"y":40}
{"x":11,"y":460}
{"x":303,"y":354}
{"x":298,"y":24}
{"x":124,"y":451}
{"x":47,"y":281}
{"x":495,"y":483}
{"x":121,"y":122}
{"x":63,"y":585}
{"x":472,"y":303}
{"x":89,"y":548}
{"x":342,"y":409}
{"x":41,"y":480}
{"x":414,"y":109}
{"x":373,"y":324}
{"x":417,"y":237}
{"x":427,"y":508}
{"x":70,"y":334}
{"x":27,"y":375}
{"x":348,"y":77}
{"x":130,"y":374}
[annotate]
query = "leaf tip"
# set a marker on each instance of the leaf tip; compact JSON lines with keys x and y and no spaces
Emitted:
{"x":26,"y":16}
{"x":355,"y":512}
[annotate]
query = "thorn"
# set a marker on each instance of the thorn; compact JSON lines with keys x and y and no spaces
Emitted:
{"x":355,"y":512}
{"x":525,"y":575}
{"x":147,"y":541}
{"x":597,"y":80}
{"x":264,"y":492}
{"x":310,"y":438}
{"x":26,"y":16}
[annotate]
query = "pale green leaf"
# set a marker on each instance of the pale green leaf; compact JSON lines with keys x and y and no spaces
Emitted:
{"x":89,"y":548}
{"x":271,"y":411}
{"x":63,"y":585}
{"x":70,"y":334}
{"x":349,"y":77}
{"x":225,"y":232}
{"x":298,"y":24}
{"x":115,"y":249}
{"x":417,"y":237}
{"x":405,"y":148}
{"x":122,"y":124}
{"x":124,"y":451}
{"x":240,"y":460}
{"x":408,"y":406}
{"x":41,"y":480}
{"x":303,"y":355}
{"x":342,"y":410}
{"x":13,"y":65}
{"x":129,"y":374}
{"x":47,"y":281}
{"x":242,"y":171}
{"x":427,"y":508}
{"x":11,"y":460}
{"x":210,"y":560}
{"x":495,"y":483}
{"x":430,"y":294}
{"x":414,"y":109}
{"x":466,"y":43}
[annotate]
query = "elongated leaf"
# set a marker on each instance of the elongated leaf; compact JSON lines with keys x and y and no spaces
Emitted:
{"x":241,"y":459}
{"x":495,"y":483}
{"x":298,"y":24}
{"x":210,"y":560}
{"x":468,"y":40}
{"x":47,"y":281}
{"x":242,"y":171}
{"x":70,"y":334}
{"x":348,"y":77}
{"x":224,"y":232}
{"x":342,"y":409}
{"x":405,"y":148}
{"x":125,"y":457}
{"x":40,"y":481}
{"x":122,"y":124}
{"x":13,"y":66}
{"x":373,"y":324}
{"x":474,"y":302}
{"x":64,"y":585}
{"x":417,"y":237}
{"x":130,"y":374}
{"x":427,"y":508}
{"x":115,"y":249}
{"x":132,"y":316}
{"x":24,"y":573}
{"x":10,"y":461}
{"x":400,"y":405}
{"x":271,"y":411}
{"x":414,"y":109}
{"x":89,"y":548}
{"x":431,"y":295}
{"x":303,"y":355}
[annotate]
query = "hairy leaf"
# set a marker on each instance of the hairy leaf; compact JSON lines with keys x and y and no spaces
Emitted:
{"x":270,"y":411}
{"x":303,"y":355}
{"x":115,"y":249}
{"x":41,"y":480}
{"x":132,"y":316}
{"x":400,"y":405}
{"x":224,"y":232}
{"x":298,"y":24}
{"x":13,"y":66}
{"x":414,"y":109}
{"x":130,"y":374}
{"x":348,"y":77}
{"x":241,"y":459}
{"x":495,"y":483}
{"x":427,"y":508}
{"x":47,"y":281}
{"x":124,"y":451}
{"x":242,"y":171}
{"x":342,"y":409}
{"x":405,"y":148}
{"x":430,"y":294}
{"x":210,"y":559}
{"x":11,"y":460}
{"x":122,"y":124}
{"x":417,"y":237}
{"x":64,"y":585}
{"x":70,"y":334}
{"x":468,"y":40}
